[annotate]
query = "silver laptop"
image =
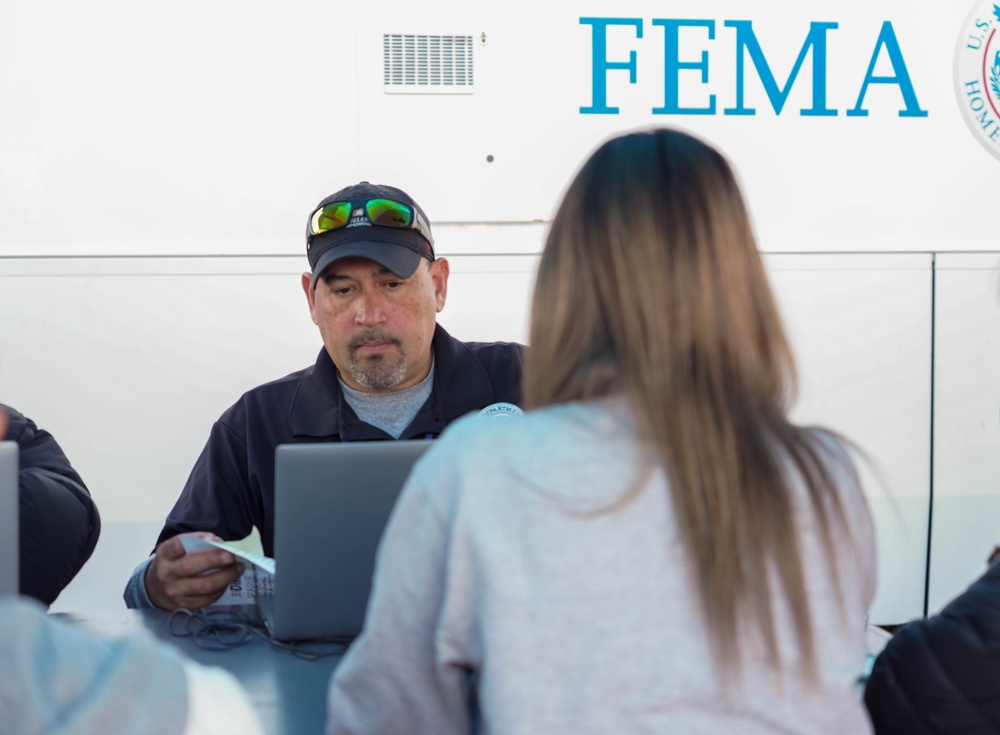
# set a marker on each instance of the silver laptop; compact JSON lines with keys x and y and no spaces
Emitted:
{"x":331,"y":504}
{"x":9,"y":510}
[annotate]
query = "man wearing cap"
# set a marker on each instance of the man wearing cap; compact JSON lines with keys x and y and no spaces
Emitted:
{"x":386,"y":371}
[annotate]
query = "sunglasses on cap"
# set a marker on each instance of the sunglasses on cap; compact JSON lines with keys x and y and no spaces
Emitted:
{"x":380,"y":212}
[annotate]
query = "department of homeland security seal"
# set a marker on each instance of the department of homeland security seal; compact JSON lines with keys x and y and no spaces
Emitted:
{"x":977,"y":74}
{"x":501,"y":409}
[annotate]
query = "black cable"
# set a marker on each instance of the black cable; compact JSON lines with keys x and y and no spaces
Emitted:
{"x":217,"y":630}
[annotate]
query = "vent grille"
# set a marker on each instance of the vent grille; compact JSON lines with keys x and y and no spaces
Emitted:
{"x":429,"y":64}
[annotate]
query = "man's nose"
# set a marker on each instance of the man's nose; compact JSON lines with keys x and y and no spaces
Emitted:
{"x":369,"y":309}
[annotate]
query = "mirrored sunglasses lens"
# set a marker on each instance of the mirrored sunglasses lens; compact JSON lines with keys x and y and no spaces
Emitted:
{"x":389,"y":213}
{"x":331,"y":216}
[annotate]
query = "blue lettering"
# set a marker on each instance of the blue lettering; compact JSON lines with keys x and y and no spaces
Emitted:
{"x":600,"y":64}
{"x":747,"y":39}
{"x":672,"y":66}
{"x":887,"y":38}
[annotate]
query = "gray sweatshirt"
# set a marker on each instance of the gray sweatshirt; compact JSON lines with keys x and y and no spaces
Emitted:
{"x":60,"y":679}
{"x":506,"y":564}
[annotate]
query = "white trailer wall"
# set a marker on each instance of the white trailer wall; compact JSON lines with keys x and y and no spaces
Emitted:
{"x":157,"y":166}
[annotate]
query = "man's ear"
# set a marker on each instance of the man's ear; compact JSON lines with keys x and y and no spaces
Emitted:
{"x":439,"y":275}
{"x":310,"y":292}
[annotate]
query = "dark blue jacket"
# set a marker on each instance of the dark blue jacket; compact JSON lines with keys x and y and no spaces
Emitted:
{"x":231,"y":488}
{"x":59,"y":523}
{"x":942,"y":675}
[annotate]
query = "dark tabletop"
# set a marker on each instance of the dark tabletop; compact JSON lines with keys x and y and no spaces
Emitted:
{"x":288,"y":692}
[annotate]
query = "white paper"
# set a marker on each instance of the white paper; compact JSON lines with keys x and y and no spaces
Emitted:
{"x":256,"y":581}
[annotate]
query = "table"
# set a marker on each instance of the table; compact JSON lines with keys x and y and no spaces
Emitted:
{"x":288,"y":692}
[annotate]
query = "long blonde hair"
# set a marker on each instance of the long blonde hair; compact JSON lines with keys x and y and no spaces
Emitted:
{"x":651,"y":285}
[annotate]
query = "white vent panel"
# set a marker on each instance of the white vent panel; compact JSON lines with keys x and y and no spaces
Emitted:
{"x":427,"y":64}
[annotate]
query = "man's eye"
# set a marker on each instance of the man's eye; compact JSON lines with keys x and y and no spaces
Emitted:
{"x":391,"y":285}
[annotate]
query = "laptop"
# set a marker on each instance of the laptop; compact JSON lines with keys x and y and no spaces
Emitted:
{"x":331,"y":504}
{"x":9,"y":511}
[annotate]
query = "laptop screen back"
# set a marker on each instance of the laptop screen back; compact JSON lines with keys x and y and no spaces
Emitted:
{"x":8,"y":518}
{"x":331,"y":505}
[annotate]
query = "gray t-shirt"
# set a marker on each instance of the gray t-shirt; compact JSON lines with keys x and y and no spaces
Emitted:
{"x":393,"y":411}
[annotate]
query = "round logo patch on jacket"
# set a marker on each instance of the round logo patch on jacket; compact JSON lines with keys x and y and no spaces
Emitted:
{"x":501,"y":409}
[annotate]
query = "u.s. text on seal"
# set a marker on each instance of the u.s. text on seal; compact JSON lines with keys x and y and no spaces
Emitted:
{"x":977,"y":74}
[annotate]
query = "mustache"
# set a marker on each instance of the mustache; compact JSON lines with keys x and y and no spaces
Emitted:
{"x":371,"y":335}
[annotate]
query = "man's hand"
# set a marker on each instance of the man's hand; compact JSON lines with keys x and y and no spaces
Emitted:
{"x":175,"y":579}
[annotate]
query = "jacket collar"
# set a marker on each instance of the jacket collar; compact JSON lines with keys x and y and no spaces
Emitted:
{"x":461,"y":385}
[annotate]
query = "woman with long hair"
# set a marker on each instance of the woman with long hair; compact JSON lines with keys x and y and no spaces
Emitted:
{"x":653,"y":546}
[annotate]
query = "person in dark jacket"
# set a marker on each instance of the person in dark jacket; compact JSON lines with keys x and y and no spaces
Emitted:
{"x":59,"y":522}
{"x":942,"y":675}
{"x":387,"y":371}
{"x":59,"y":677}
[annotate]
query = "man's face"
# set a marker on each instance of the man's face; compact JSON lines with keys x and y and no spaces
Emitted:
{"x":376,"y":326}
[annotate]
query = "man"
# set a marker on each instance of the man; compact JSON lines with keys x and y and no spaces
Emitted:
{"x":58,"y":520}
{"x":938,"y":675}
{"x":386,"y":371}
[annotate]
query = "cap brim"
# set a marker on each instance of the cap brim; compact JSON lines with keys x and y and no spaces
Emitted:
{"x":399,"y":259}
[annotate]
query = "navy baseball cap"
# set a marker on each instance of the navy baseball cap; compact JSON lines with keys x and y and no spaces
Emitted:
{"x":378,"y":223}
